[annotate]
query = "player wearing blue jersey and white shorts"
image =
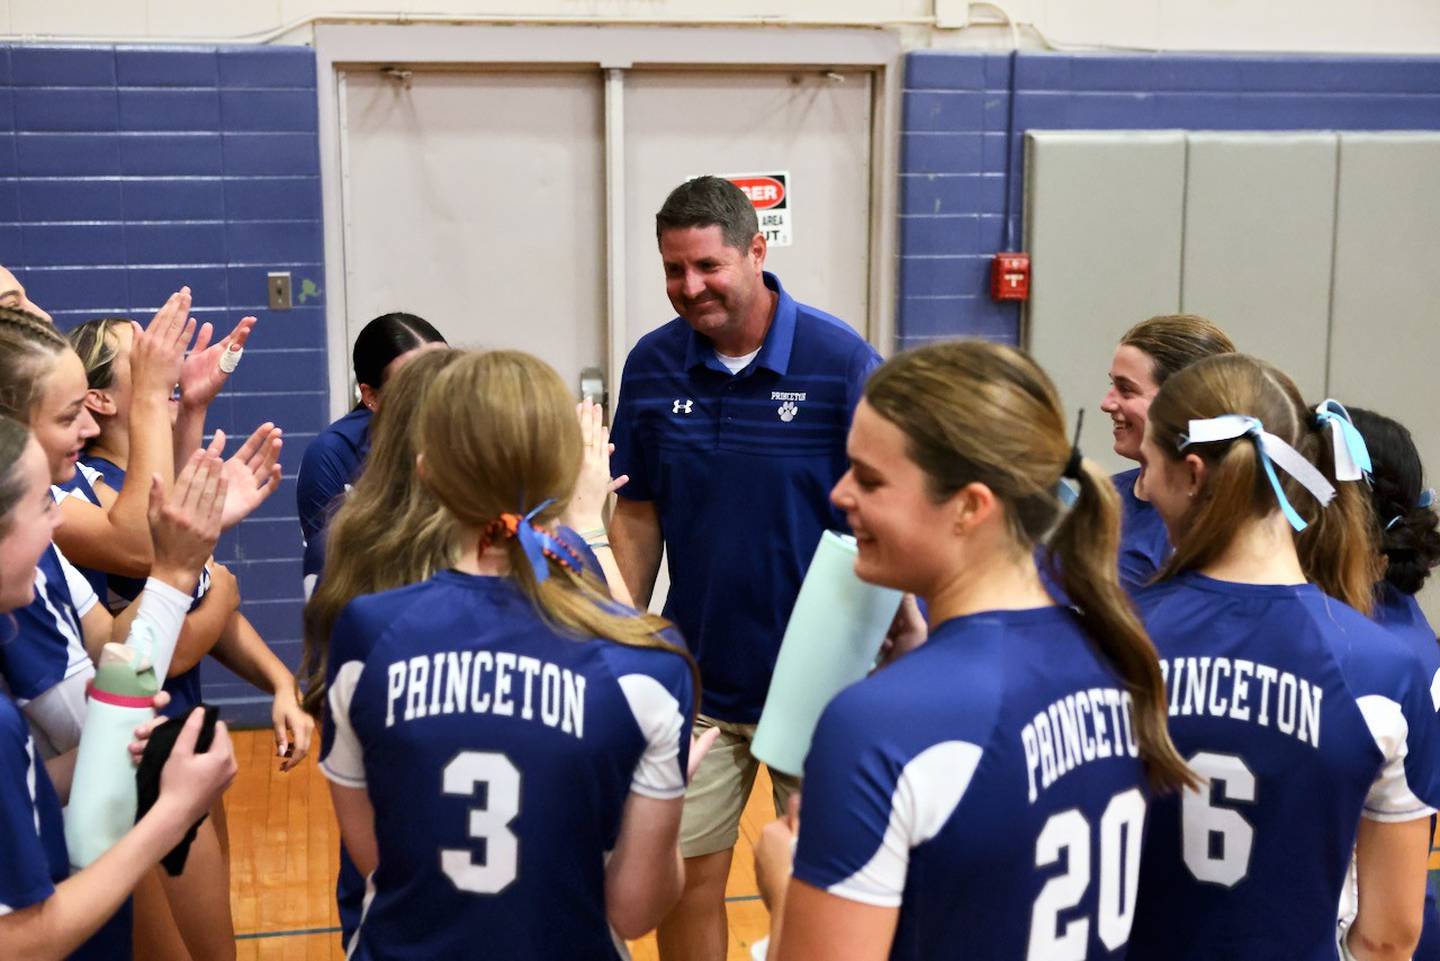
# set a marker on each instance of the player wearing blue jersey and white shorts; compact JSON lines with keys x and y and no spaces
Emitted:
{"x":1313,"y":727}
{"x":985,"y":794}
{"x":1148,"y":354}
{"x":507,"y":746}
{"x":45,"y":911}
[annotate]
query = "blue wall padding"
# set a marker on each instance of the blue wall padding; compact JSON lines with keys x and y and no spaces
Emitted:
{"x":126,"y":171}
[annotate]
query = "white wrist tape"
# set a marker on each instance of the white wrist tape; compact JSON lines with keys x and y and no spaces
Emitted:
{"x":231,"y":358}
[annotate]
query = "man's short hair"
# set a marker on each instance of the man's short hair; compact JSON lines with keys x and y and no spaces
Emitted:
{"x":710,"y":202}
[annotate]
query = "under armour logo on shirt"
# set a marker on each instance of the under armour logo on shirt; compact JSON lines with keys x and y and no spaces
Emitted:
{"x":682,"y":408}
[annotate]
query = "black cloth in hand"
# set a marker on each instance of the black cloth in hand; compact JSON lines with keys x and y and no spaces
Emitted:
{"x":147,"y":778}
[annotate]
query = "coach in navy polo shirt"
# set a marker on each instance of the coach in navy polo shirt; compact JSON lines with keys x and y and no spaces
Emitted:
{"x":731,"y":424}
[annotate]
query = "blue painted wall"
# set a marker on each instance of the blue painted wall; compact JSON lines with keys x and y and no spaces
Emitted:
{"x":957,"y":115}
{"x":128,"y":171}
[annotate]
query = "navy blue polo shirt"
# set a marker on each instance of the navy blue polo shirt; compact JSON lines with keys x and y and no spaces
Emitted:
{"x":740,"y":468}
{"x":330,"y":465}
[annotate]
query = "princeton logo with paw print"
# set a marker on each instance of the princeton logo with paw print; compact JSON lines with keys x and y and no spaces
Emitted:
{"x":787,"y":411}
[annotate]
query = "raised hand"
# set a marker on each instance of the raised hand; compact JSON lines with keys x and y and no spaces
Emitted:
{"x":594,"y":484}
{"x":907,"y":631}
{"x":201,"y":376}
{"x":159,"y":349}
{"x":185,"y":522}
{"x":253,"y":471}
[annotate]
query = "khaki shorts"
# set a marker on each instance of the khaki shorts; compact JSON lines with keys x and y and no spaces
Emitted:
{"x":719,"y":790}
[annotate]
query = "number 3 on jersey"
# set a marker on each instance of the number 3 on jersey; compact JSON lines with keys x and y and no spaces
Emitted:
{"x":1069,"y":831}
{"x":490,"y":823}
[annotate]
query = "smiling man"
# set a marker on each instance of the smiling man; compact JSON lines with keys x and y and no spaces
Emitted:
{"x":731,"y":424}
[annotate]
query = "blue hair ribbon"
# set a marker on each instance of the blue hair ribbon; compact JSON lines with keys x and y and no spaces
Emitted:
{"x":1424,"y":502}
{"x":1272,"y":451}
{"x":1352,"y":457}
{"x":537,"y":544}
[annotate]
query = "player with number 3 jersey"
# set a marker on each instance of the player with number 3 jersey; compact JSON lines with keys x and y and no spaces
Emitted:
{"x":1312,"y":726}
{"x":985,"y":795}
{"x":507,"y":747}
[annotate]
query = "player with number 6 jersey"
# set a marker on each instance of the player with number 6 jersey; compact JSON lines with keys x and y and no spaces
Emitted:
{"x":985,"y":795}
{"x":1312,"y":726}
{"x":507,"y":746}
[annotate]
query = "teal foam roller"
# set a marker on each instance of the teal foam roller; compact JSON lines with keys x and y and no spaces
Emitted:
{"x":834,"y":634}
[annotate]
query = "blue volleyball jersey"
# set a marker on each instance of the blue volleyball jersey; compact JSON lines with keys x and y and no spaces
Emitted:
{"x":1303,"y":716}
{"x":498,"y":755}
{"x":1144,"y":541}
{"x":1401,"y":614}
{"x":118,"y":592}
{"x":48,"y":646}
{"x":988,"y":785}
{"x":349,"y":885}
{"x":32,"y":836}
{"x":330,"y":465}
{"x":740,"y":468}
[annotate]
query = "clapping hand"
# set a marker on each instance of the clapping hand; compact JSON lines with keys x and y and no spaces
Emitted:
{"x":185,"y":522}
{"x":253,"y":472}
{"x":201,"y":376}
{"x":594,"y":484}
{"x":159,"y":351}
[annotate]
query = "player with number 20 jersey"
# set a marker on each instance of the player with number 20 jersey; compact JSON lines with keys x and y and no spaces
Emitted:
{"x":1013,"y":756}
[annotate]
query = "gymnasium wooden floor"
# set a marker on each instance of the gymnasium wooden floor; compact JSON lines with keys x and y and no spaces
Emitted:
{"x":284,"y":847}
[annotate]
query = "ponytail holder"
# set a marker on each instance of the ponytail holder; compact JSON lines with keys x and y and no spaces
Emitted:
{"x":1073,"y":467}
{"x":537,"y":543}
{"x":1352,"y":457}
{"x":1424,"y":502}
{"x":1272,"y":451}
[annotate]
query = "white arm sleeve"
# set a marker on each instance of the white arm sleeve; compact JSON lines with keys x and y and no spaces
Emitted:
{"x":1390,"y":797}
{"x":344,"y":763}
{"x":658,"y":774}
{"x":156,"y":628}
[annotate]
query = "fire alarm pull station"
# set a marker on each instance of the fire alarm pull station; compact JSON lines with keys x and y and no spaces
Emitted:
{"x":1010,"y":277}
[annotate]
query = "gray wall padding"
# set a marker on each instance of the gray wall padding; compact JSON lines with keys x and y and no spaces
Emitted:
{"x":1259,"y":234}
{"x":1103,"y":229}
{"x":1385,"y":343}
{"x":1317,"y":251}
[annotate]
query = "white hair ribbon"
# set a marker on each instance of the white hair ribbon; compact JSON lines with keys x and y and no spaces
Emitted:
{"x":1352,"y":457}
{"x":1271,"y":449}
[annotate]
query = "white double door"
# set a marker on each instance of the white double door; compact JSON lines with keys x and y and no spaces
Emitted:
{"x":478,"y":198}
